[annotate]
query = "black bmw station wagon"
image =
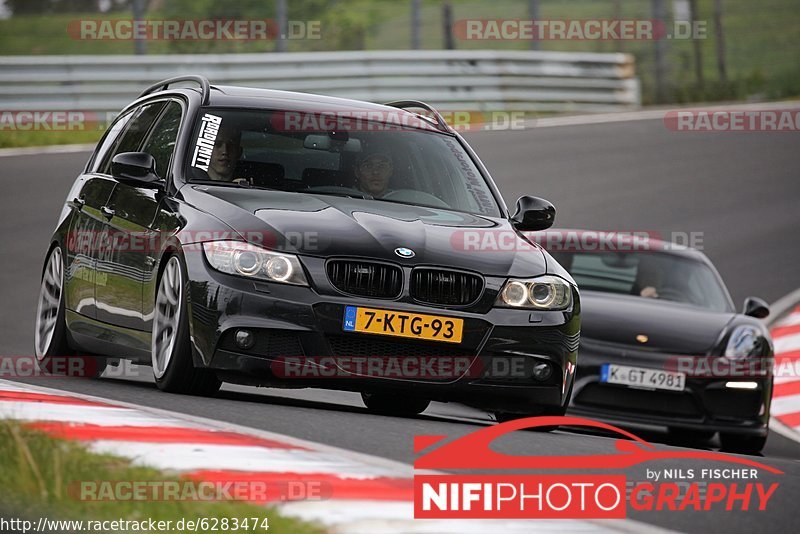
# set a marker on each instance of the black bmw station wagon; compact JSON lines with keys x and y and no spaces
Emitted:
{"x":229,"y":234}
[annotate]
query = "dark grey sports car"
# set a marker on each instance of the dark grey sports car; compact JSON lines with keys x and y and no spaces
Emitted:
{"x":662,"y":343}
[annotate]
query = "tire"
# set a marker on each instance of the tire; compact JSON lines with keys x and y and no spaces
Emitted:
{"x":742,"y":444}
{"x":171,"y":351}
{"x":388,"y":404}
{"x":503,"y":417}
{"x":51,"y":348}
{"x":685,"y":435}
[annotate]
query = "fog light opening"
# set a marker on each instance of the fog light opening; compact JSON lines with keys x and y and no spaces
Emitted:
{"x":244,"y":339}
{"x":542,"y":371}
{"x":741,"y":385}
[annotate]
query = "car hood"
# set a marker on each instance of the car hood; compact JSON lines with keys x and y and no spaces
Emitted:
{"x":669,"y":326}
{"x":326,"y":225}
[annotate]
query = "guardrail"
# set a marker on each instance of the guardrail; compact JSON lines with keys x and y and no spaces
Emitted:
{"x":449,"y":79}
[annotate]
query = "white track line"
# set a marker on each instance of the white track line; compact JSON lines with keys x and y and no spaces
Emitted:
{"x":794,"y":377}
{"x":785,"y":404}
{"x":72,"y":413}
{"x":783,"y":314}
{"x":790,"y":320}
{"x":198,"y":421}
{"x":787,"y":343}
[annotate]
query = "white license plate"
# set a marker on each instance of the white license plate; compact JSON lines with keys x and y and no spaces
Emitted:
{"x":639,"y":377}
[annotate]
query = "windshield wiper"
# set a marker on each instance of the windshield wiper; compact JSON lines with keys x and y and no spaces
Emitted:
{"x":242,"y":185}
{"x":335,"y":194}
{"x":417,"y":205}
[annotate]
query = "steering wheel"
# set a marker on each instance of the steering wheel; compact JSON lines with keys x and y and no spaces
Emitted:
{"x":670,"y":293}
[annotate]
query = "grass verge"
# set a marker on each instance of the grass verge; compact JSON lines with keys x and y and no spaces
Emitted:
{"x":20,"y":138}
{"x":37,"y":472}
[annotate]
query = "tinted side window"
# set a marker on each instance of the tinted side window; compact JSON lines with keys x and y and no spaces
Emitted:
{"x":110,"y":139}
{"x":162,"y":139}
{"x":134,"y":134}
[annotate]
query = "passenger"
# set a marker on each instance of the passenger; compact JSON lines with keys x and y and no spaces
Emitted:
{"x":373,"y":172}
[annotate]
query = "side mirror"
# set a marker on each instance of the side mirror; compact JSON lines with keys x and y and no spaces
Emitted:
{"x":755,"y":307}
{"x":134,"y":166}
{"x":533,"y":213}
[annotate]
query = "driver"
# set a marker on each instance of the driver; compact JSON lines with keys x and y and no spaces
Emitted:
{"x":225,"y":154}
{"x":649,"y":278}
{"x":373,"y":172}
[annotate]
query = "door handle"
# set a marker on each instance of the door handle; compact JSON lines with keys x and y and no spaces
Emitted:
{"x":107,"y":212}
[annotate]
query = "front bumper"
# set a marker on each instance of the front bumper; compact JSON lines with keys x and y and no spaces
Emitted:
{"x":705,"y":404}
{"x":302,"y":328}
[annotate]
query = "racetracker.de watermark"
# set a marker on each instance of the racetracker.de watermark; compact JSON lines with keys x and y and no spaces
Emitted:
{"x":27,"y":366}
{"x":418,"y":368}
{"x":360,"y":120}
{"x":191,"y":30}
{"x":53,"y":120}
{"x":199,"y":491}
{"x":107,"y":241}
{"x":578,"y":29}
{"x":574,"y":241}
{"x":733,"y":120}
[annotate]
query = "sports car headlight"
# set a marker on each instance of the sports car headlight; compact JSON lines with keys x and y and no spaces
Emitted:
{"x":542,"y":293}
{"x":244,"y":259}
{"x":744,"y":341}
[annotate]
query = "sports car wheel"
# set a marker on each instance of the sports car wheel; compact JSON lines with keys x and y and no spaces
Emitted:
{"x":170,"y":347}
{"x":52,"y":351}
{"x":742,"y":444}
{"x":388,"y":404}
{"x":684,"y":435}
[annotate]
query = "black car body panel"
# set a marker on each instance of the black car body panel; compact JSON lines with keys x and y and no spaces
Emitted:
{"x":111,"y":276}
{"x":358,"y":229}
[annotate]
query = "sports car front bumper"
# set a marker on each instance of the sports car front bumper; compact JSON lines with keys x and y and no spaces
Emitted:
{"x":706,"y":403}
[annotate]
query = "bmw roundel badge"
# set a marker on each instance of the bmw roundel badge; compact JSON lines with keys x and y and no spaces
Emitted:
{"x":404,"y":252}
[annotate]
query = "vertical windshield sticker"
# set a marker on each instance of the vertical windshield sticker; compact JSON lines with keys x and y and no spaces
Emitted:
{"x":209,"y":129}
{"x":473,"y":183}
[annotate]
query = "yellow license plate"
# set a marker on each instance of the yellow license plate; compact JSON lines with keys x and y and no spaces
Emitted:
{"x":402,"y":324}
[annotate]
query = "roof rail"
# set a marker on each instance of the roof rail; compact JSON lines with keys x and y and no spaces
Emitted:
{"x":406,"y":104}
{"x":163,"y":85}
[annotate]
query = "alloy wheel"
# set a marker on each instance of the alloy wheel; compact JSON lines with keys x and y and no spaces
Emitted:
{"x":167,"y":316}
{"x":49,"y":302}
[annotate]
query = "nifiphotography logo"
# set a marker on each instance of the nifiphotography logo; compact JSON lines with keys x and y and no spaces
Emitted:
{"x":506,"y":494}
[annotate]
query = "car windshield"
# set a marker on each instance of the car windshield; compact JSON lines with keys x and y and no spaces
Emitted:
{"x":647,"y":274}
{"x":306,"y":153}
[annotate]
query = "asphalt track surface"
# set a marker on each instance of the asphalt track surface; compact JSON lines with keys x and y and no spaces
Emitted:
{"x":740,"y":190}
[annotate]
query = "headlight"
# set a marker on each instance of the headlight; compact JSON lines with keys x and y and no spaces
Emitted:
{"x":744,"y":341}
{"x":244,"y":259}
{"x":542,"y":293}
